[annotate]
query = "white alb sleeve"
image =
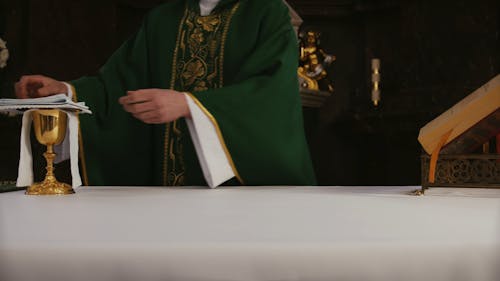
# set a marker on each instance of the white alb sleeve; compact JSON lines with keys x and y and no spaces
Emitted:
{"x":209,"y":147}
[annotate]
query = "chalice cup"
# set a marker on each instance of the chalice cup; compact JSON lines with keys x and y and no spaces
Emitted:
{"x":50,"y":129}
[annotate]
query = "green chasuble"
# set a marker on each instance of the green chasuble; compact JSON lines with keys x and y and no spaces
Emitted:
{"x":239,"y":64}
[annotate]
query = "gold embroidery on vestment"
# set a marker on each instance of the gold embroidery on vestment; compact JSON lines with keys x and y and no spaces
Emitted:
{"x":197,"y":66}
{"x":180,"y":35}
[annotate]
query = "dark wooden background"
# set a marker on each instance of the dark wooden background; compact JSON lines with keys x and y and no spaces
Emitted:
{"x":433,"y":54}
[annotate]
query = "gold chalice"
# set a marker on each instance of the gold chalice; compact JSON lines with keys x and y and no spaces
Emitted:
{"x":50,"y":129}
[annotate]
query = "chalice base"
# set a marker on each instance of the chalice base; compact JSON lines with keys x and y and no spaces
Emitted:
{"x":48,"y":187}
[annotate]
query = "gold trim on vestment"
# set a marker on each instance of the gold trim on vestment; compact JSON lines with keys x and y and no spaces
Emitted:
{"x":223,"y":44}
{"x":172,"y":85}
{"x":219,"y":135}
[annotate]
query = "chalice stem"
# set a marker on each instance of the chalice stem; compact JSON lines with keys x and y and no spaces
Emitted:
{"x":49,"y":157}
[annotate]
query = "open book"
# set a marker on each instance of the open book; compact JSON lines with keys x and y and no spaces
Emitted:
{"x":56,"y":101}
{"x":467,"y":125}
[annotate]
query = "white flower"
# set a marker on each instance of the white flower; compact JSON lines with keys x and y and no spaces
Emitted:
{"x":4,"y":53}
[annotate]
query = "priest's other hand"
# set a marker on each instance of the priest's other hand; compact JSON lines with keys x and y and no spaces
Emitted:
{"x":35,"y":86}
{"x":156,"y":106}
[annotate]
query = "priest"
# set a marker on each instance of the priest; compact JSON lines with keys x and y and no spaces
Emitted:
{"x":235,"y":61}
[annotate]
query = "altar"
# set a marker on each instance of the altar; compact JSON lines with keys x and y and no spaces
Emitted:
{"x":249,"y":233}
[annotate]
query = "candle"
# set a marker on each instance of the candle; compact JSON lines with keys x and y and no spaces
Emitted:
{"x":375,"y":81}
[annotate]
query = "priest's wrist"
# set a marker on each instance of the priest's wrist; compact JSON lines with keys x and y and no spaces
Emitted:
{"x":187,"y":114}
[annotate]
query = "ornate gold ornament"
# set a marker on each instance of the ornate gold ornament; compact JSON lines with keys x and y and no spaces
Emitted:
{"x":313,"y":62}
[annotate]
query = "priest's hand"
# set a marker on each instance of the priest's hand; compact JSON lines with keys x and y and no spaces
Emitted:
{"x":156,"y":106}
{"x":35,"y":86}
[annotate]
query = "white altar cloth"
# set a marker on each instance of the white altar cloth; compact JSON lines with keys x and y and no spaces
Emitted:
{"x":249,"y":233}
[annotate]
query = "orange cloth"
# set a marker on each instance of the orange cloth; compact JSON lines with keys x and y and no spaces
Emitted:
{"x":435,"y":155}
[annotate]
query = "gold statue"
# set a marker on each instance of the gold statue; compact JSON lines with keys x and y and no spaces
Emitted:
{"x":50,"y":129}
{"x":313,"y":62}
